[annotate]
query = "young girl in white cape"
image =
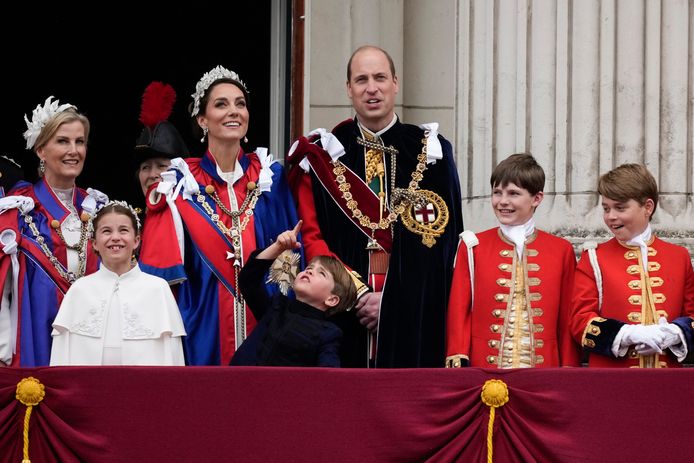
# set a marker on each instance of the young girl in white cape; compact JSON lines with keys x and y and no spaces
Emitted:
{"x":118,"y":315}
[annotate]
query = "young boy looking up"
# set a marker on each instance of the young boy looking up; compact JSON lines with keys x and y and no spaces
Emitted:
{"x":294,"y":332}
{"x":511,"y":296}
{"x":634,"y":294}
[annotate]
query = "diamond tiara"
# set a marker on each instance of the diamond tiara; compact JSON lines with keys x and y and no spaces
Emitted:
{"x":114,"y":202}
{"x":204,"y":83}
{"x":40,"y":117}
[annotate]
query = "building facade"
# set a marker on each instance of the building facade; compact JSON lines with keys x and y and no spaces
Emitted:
{"x":582,"y":85}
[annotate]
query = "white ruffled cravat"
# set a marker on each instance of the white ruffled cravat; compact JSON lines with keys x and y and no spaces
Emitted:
{"x":518,"y":233}
{"x":641,"y":241}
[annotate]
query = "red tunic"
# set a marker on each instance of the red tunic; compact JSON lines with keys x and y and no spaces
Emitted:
{"x":624,"y":296}
{"x":478,"y":333}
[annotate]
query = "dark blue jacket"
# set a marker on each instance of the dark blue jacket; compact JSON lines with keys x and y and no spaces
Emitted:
{"x":289,"y":332}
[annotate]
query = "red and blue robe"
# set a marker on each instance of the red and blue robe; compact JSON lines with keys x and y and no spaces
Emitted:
{"x":40,"y":286}
{"x":207,"y":289}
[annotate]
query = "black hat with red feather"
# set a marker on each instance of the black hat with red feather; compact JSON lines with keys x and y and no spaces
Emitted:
{"x":159,"y":138}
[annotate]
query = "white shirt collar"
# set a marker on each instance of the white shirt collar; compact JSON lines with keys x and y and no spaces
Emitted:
{"x":133,"y":272}
{"x":641,"y":240}
{"x":518,"y":233}
{"x":382,"y":131}
{"x":231,"y":177}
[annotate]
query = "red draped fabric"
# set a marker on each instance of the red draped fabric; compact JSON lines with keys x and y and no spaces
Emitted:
{"x":257,"y":414}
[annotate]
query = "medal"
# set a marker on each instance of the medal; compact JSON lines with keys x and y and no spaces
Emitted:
{"x":428,"y":216}
{"x":284,"y":269}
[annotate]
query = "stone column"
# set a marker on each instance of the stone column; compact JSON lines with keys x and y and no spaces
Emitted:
{"x":336,"y":29}
{"x":584,"y":85}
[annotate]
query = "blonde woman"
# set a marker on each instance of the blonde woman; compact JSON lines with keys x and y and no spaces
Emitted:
{"x":43,"y":234}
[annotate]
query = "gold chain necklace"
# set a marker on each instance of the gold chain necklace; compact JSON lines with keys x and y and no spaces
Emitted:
{"x":252,"y":195}
{"x":399,"y":196}
{"x":237,"y":228}
{"x":55,"y":225}
{"x":80,"y":248}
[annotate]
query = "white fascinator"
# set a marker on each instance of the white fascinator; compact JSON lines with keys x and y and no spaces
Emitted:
{"x":40,"y":117}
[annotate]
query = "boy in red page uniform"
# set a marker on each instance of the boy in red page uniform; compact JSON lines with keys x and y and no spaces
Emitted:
{"x":511,"y":296}
{"x":633,"y":295}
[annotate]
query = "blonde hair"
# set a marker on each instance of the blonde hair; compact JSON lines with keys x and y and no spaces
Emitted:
{"x":629,"y":181}
{"x":52,"y":126}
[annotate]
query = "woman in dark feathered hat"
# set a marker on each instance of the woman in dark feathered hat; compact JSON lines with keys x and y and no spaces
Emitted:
{"x":159,"y":141}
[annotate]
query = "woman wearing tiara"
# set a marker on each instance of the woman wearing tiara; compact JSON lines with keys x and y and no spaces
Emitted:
{"x":43,"y":234}
{"x":118,"y":315}
{"x":208,"y":214}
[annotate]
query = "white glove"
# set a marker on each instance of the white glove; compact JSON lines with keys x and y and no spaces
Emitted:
{"x":648,"y":337}
{"x":673,"y":333}
{"x":672,"y":336}
{"x":168,"y":181}
{"x":643,"y":349}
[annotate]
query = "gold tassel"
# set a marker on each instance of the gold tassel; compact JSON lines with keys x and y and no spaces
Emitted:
{"x":494,"y":395}
{"x":30,"y":392}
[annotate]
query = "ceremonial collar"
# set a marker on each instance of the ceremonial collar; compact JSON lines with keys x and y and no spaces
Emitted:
{"x":642,"y":240}
{"x":233,"y":176}
{"x":209,"y":164}
{"x":130,"y":274}
{"x":517,"y":234}
{"x":380,"y":132}
{"x":48,"y":199}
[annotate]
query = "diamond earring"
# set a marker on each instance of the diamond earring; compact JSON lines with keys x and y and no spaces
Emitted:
{"x":204,"y":134}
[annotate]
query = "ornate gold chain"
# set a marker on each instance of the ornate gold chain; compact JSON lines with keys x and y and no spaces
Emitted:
{"x":237,"y":228}
{"x":376,"y":146}
{"x":55,"y":225}
{"x":252,"y":195}
{"x":80,"y":248}
{"x":398,"y":197}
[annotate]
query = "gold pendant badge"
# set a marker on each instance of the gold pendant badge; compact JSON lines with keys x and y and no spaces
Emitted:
{"x":427,"y":216}
{"x":284,"y":269}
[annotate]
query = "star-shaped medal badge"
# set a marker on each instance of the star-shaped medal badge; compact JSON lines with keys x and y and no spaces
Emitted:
{"x":283,"y":270}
